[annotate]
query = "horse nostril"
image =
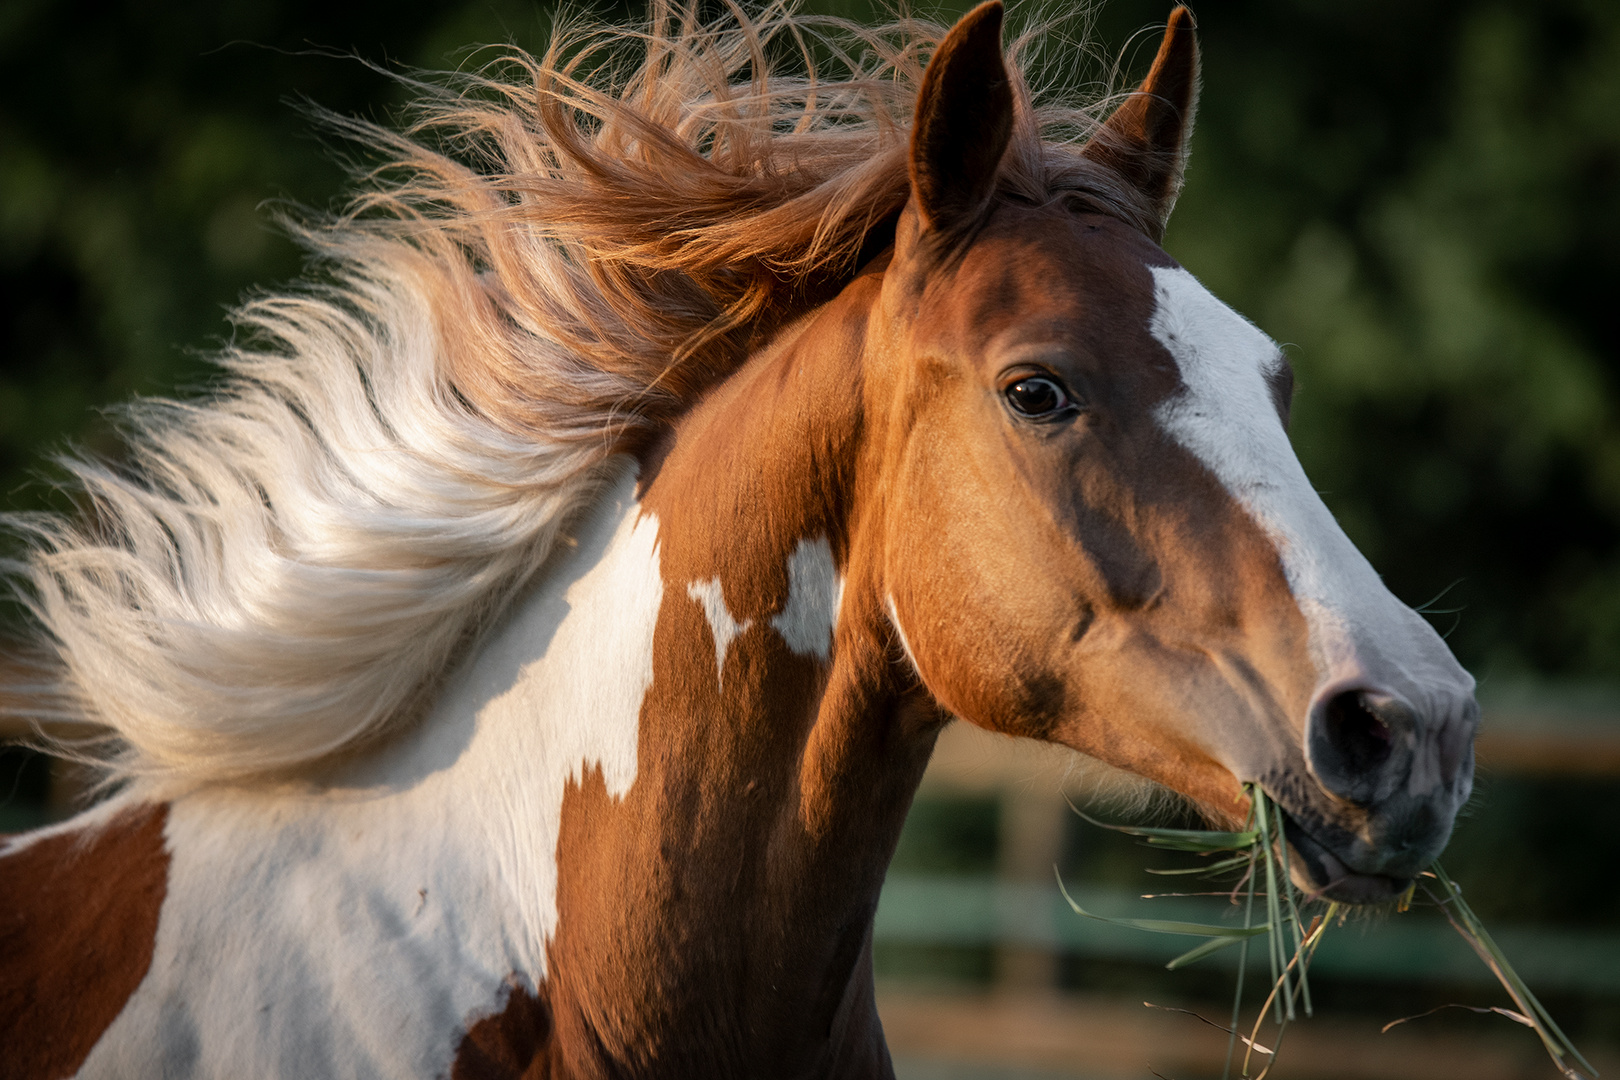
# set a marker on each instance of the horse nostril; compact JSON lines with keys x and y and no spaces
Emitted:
{"x":1359,"y":738}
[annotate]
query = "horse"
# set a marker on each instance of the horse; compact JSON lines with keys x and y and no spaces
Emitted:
{"x":522,"y":663}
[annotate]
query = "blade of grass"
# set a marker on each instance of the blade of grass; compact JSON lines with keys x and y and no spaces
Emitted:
{"x":1212,"y":868}
{"x":1279,"y":984}
{"x":1207,"y":1020}
{"x":1504,"y":969}
{"x":1466,"y":923}
{"x":1243,"y":963}
{"x":1166,"y":926}
{"x":1306,"y":952}
{"x":1195,"y":839}
{"x":1192,"y":956}
{"x":1273,"y":909}
{"x":1208,"y":842}
{"x":1550,"y":1039}
{"x":1516,"y":1017}
{"x":1473,"y":931}
{"x":1293,"y":908}
{"x":1301,"y":961}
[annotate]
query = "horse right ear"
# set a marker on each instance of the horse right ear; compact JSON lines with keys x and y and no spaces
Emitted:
{"x":1145,"y":140}
{"x":963,"y":124}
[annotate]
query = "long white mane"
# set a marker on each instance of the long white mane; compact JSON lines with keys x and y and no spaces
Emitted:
{"x":551,"y":265}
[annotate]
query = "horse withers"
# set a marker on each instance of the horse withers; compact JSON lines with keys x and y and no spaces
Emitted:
{"x":525,"y":666}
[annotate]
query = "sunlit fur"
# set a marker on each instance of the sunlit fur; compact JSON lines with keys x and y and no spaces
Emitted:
{"x":550,"y":264}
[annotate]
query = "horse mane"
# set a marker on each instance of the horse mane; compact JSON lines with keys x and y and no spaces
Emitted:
{"x":553,"y":260}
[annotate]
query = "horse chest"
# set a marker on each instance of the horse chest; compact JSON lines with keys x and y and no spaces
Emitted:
{"x":312,"y":941}
{"x":360,"y":928}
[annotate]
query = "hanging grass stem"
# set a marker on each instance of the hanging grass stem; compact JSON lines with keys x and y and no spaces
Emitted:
{"x":1466,"y":923}
{"x":1271,"y":999}
{"x":1262,"y":841}
{"x":1279,"y":970}
{"x":1293,"y":908}
{"x":1243,"y":968}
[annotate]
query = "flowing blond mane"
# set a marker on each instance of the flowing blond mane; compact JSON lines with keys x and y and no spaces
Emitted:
{"x":555,"y":260}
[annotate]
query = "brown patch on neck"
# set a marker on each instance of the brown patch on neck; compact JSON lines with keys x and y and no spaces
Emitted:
{"x":78,"y":920}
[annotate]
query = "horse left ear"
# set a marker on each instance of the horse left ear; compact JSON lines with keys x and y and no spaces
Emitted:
{"x":1145,"y":140}
{"x":963,"y":124}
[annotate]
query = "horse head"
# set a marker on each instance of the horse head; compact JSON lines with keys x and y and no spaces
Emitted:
{"x":1094,"y":528}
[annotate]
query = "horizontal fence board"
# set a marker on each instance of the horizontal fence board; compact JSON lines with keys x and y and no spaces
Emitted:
{"x":1417,"y":946}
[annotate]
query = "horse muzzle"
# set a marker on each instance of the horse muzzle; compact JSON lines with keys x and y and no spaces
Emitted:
{"x":1390,"y":777}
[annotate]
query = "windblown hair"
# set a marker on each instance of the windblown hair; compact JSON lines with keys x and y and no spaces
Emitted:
{"x":552,"y":263}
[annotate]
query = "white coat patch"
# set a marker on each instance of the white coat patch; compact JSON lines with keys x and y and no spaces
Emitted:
{"x":353,"y":930}
{"x":815,"y":594}
{"x":900,"y":632}
{"x":725,"y":629}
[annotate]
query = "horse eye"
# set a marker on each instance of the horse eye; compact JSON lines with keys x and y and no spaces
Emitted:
{"x":1037,"y":396}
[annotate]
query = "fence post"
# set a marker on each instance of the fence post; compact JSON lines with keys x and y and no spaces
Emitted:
{"x":1029,"y":843}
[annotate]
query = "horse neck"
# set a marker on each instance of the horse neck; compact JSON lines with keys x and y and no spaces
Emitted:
{"x":721,"y":904}
{"x":652,"y":812}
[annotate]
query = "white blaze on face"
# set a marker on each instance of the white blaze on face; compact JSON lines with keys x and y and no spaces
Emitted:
{"x":815,"y":594}
{"x":1227,"y":418}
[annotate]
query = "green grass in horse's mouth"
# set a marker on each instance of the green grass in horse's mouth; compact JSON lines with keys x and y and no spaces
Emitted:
{"x":1255,"y":853}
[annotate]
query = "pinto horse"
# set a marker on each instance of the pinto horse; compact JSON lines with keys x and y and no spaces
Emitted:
{"x":523,"y":664}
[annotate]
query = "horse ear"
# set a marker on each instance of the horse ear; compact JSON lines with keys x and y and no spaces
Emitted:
{"x":964,"y":122}
{"x":1145,"y":141}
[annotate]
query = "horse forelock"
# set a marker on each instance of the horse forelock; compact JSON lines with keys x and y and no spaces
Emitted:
{"x":554,"y":264}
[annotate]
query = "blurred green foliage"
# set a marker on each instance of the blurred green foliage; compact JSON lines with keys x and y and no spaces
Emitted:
{"x":1420,"y":199}
{"x":142,"y":153}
